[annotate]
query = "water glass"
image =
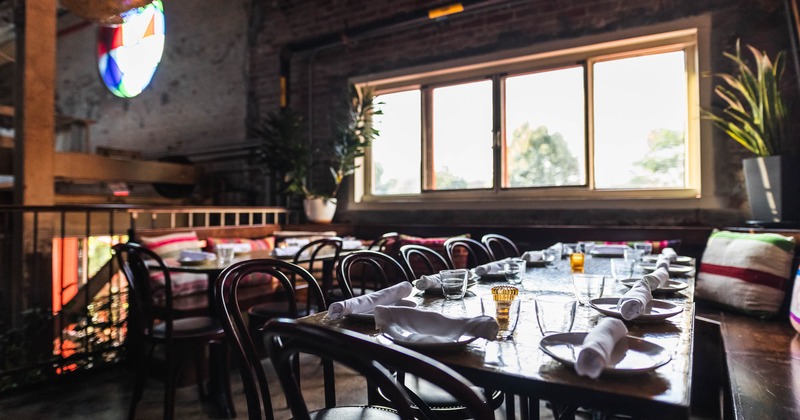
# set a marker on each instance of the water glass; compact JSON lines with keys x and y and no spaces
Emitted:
{"x":576,"y":260}
{"x":645,"y":247}
{"x":514,"y":270}
{"x":588,"y":287}
{"x":505,"y":312}
{"x":551,"y":257}
{"x":622,"y":269}
{"x":225,"y":254}
{"x":634,"y":255}
{"x":555,"y":312}
{"x":454,"y":283}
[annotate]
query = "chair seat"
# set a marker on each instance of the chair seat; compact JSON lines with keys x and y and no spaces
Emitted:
{"x":442,"y":403}
{"x":196,"y":326}
{"x":360,"y":413}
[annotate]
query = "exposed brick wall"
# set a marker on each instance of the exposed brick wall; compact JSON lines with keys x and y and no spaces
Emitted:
{"x":510,"y":25}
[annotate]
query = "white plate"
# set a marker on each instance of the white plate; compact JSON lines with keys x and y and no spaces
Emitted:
{"x":371,"y":316}
{"x":659,"y":310}
{"x":630,"y":356}
{"x":676,"y":270}
{"x":670,"y":287}
{"x":458,"y":343}
{"x":681,"y":260}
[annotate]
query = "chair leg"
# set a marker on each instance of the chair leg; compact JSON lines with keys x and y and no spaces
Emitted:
{"x":140,"y":380}
{"x":510,"y":411}
{"x":173,"y":373}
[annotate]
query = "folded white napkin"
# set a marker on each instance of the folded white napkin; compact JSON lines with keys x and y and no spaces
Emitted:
{"x":532,"y":256}
{"x":197,"y":256}
{"x":670,"y":253}
{"x":368,"y":302}
{"x":635,"y":301}
{"x":610,"y":249}
{"x":288,"y":251}
{"x":242,"y":248}
{"x":598,"y":345}
{"x":434,"y":281}
{"x":662,"y":261}
{"x":657,"y":278}
{"x":431,"y":327}
{"x":351,"y":244}
{"x":496,"y":267}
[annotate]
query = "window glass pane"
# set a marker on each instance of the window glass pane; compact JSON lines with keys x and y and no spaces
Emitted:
{"x":396,"y":162}
{"x":462,"y":136}
{"x":545,"y":140}
{"x":640,"y":120}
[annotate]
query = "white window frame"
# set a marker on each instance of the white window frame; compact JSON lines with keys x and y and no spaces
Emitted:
{"x":693,"y":34}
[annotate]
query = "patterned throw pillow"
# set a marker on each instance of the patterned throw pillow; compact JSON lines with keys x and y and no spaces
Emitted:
{"x":746,"y":272}
{"x":265,"y":244}
{"x":171,"y":245}
{"x":436,"y":244}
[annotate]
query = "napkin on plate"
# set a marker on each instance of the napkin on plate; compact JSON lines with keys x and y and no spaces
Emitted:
{"x":431,"y":327}
{"x":635,"y":301}
{"x":662,"y":261}
{"x":434,"y":281}
{"x":657,"y":278}
{"x":349,"y":244}
{"x":532,"y":256}
{"x":496,"y":267}
{"x":598,"y":345}
{"x":368,"y":302}
{"x":196,"y":256}
{"x":287,"y":251}
{"x":670,"y":254}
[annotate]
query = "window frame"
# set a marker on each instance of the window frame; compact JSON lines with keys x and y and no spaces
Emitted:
{"x":689,"y":36}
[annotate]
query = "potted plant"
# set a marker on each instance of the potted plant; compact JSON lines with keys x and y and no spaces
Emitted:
{"x":756,"y":116}
{"x":286,"y":151}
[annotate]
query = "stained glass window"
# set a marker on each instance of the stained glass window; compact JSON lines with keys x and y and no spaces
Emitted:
{"x":128,"y":54}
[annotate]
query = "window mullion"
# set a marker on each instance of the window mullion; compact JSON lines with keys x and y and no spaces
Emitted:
{"x":589,"y":121}
{"x":499,"y":179}
{"x":427,"y":139}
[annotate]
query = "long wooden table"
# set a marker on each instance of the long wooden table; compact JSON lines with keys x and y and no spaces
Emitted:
{"x":518,"y":366}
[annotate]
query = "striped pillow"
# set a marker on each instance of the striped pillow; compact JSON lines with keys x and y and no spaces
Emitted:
{"x":171,"y":245}
{"x":746,"y":272}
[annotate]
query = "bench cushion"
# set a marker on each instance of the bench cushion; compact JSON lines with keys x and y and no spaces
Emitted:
{"x":747,"y":272}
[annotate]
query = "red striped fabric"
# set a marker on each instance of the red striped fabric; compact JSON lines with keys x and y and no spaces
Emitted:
{"x":746,"y":274}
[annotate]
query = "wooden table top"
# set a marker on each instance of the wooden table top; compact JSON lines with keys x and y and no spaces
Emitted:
{"x":519,"y":366}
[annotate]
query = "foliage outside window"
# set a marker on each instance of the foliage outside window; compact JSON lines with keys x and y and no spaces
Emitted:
{"x":602,"y":119}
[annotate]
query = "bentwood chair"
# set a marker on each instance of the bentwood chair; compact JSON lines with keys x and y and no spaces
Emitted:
{"x":151,"y":324}
{"x":384,"y":241}
{"x":421,"y":260}
{"x":500,"y":246}
{"x":287,"y":339}
{"x":366,"y":271}
{"x":237,"y":334}
{"x":477,"y":254}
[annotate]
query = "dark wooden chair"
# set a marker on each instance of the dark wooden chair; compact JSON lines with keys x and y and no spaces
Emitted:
{"x":287,"y":339}
{"x":151,"y":324}
{"x":477,"y":254}
{"x":421,"y":260}
{"x":385,"y":240}
{"x":365,"y":271}
{"x":500,"y":246}
{"x":238,"y":335}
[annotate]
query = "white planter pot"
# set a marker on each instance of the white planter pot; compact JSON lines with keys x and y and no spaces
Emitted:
{"x":319,"y":210}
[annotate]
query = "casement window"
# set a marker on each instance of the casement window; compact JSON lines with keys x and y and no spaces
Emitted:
{"x":610,"y":120}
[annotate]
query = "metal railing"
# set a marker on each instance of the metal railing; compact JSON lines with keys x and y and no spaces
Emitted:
{"x":63,"y":303}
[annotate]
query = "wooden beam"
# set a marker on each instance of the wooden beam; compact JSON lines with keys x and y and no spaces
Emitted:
{"x":81,"y":166}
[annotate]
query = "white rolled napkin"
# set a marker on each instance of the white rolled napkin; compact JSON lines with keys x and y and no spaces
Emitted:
{"x":670,"y":254}
{"x":662,"y":261}
{"x":431,"y":327}
{"x":288,"y":251}
{"x":598,"y":345}
{"x":496,"y":267}
{"x":368,"y":302}
{"x":532,"y":256}
{"x":657,"y":278}
{"x":349,"y":244}
{"x":434,"y":281}
{"x":635,"y":301}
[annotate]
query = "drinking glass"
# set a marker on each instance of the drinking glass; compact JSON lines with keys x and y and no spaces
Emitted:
{"x":621,"y":269}
{"x":645,"y":247}
{"x":576,"y":260}
{"x":634,"y":255}
{"x":551,"y":257}
{"x":555,"y":312}
{"x":588,"y":287}
{"x":514,"y":270}
{"x":505,"y":312}
{"x":225,"y":254}
{"x":454,"y":283}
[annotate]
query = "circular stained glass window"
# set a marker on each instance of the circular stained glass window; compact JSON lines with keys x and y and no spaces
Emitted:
{"x":128,"y":54}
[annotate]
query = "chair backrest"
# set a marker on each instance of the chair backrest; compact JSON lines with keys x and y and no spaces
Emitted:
{"x":500,"y":246}
{"x":131,"y":259}
{"x":365,"y":269}
{"x":286,"y":339}
{"x":310,"y":256}
{"x":421,"y":260}
{"x":477,"y":254}
{"x":381,"y":243}
{"x":256,"y":387}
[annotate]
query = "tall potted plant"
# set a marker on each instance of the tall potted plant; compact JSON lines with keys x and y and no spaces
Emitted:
{"x":756,"y":116}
